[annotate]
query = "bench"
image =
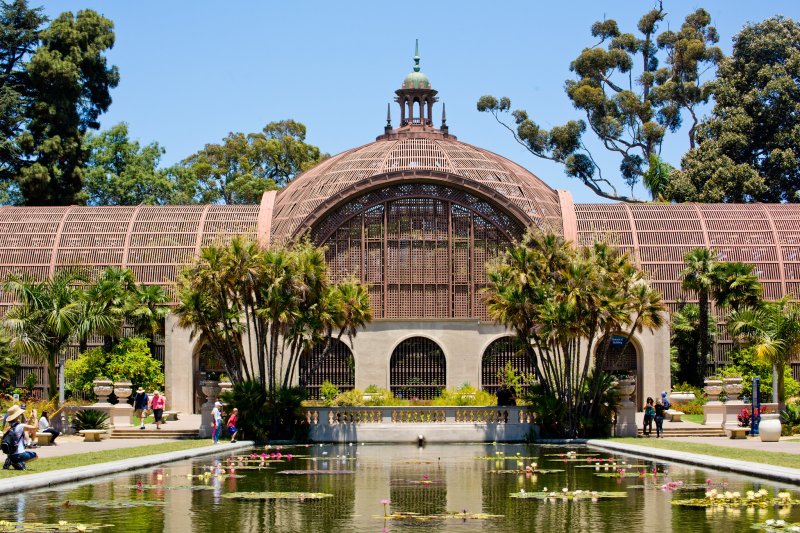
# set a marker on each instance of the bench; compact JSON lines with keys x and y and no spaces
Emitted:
{"x":44,"y":439}
{"x":675,"y":415}
{"x":92,"y":435}
{"x":737,"y":432}
{"x":170,"y":416}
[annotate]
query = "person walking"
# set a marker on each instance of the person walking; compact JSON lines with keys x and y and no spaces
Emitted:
{"x":140,"y":401}
{"x":157,"y":403}
{"x":649,"y":414}
{"x":13,"y":441}
{"x":659,"y":418}
{"x":45,"y":427}
{"x":232,"y":421}
{"x":216,"y":422}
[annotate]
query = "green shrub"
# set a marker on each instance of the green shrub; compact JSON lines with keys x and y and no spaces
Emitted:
{"x":263,"y":417}
{"x":372,"y":389}
{"x":790,"y":419}
{"x":349,"y":398}
{"x":328,"y":393}
{"x":90,"y":419}
{"x":81,"y":372}
{"x":748,"y":366}
{"x":464,"y":396}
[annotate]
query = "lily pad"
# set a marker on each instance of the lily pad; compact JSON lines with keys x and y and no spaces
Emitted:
{"x":535,"y":471}
{"x":39,"y":527}
{"x":316,"y":472}
{"x":444,"y":516}
{"x":109,"y":504}
{"x":610,"y":466}
{"x":268,"y":496}
{"x":503,"y":458}
{"x":624,"y":475}
{"x":735,"y":500}
{"x":169,"y":487}
{"x":569,"y":495}
{"x":570,"y":454}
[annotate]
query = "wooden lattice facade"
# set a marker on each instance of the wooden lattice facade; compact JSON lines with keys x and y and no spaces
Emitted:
{"x":336,"y":366}
{"x":418,"y":369}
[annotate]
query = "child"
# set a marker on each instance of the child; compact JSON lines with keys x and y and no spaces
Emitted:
{"x":232,"y":429}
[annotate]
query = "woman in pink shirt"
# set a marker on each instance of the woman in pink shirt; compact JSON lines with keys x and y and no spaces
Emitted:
{"x":157,"y":402}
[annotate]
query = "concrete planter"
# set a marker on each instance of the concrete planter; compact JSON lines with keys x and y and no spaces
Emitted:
{"x":713,"y":388}
{"x":103,"y":389}
{"x":733,"y":388}
{"x":225,"y":386}
{"x":122,"y":412}
{"x":769,"y":429}
{"x":626,"y":412}
{"x":681,"y":396}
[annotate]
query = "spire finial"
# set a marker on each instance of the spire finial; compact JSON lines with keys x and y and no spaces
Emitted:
{"x":388,"y":115}
{"x":444,"y":116}
{"x":416,"y":56}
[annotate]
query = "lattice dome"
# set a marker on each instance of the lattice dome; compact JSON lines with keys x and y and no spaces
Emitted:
{"x":415,"y":156}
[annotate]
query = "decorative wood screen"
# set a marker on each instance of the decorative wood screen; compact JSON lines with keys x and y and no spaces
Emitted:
{"x":417,"y":369}
{"x":421,"y":248}
{"x":497,"y":355}
{"x":337,"y":366}
{"x":620,"y":357}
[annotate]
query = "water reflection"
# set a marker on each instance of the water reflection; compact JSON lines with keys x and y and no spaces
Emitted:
{"x":432,"y":481}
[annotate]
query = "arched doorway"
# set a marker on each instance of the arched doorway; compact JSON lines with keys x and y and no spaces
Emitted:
{"x":208,"y":366}
{"x":620,"y":357}
{"x":500,"y":352}
{"x":417,"y":369}
{"x":337,"y":366}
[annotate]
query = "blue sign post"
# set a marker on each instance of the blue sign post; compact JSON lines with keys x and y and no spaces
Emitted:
{"x":755,"y":407}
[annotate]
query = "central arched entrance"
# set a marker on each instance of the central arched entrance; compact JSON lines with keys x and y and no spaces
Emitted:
{"x":418,"y":369}
{"x":620,"y":357}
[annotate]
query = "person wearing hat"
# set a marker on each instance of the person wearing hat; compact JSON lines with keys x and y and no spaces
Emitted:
{"x":15,"y":417}
{"x":665,"y":401}
{"x":216,"y":422}
{"x":157,"y":403}
{"x":140,"y":401}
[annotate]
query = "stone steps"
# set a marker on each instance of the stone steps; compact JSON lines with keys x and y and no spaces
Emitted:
{"x":155,"y":434}
{"x":696,"y":431}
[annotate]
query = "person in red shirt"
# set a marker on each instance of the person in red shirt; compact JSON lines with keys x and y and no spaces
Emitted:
{"x":232,"y":421}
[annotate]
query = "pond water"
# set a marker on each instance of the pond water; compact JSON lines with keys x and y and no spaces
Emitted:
{"x":434,"y":480}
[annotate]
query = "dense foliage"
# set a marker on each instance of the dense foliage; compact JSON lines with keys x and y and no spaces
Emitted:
{"x":265,"y":415}
{"x":559,"y":300}
{"x":129,"y":360}
{"x":89,"y":419}
{"x":750,"y":145}
{"x":629,"y":99}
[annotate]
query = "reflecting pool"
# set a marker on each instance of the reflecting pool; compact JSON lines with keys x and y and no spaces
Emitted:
{"x":376,"y":488}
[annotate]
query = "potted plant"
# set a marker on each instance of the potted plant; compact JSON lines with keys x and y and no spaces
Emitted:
{"x":681,"y":392}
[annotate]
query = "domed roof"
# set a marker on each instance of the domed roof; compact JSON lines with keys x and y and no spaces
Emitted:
{"x":416,"y":80}
{"x":410,"y":158}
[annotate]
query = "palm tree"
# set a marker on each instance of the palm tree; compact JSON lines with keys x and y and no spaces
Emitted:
{"x":736,"y":286}
{"x":110,"y":297}
{"x":773,"y":330}
{"x":9,"y":362}
{"x":700,"y":276}
{"x":146,"y":311}
{"x":685,"y":339}
{"x":45,"y":318}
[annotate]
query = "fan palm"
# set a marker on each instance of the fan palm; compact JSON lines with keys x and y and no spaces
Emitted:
{"x":700,"y":276}
{"x":736,"y":286}
{"x":773,"y":330}
{"x":110,"y":295}
{"x":146,"y":311}
{"x":45,"y":318}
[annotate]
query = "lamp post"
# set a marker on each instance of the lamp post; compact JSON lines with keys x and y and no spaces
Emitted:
{"x":61,"y":360}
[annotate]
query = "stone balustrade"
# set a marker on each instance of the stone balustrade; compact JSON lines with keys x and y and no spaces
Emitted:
{"x":407,"y":423}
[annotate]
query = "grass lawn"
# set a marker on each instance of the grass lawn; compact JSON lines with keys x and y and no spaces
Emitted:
{"x":83,"y":459}
{"x":697,"y":419}
{"x":784,"y":459}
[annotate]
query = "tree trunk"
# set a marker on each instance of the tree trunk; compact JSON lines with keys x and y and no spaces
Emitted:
{"x":778,"y":385}
{"x":703,"y":305}
{"x":52,"y":375}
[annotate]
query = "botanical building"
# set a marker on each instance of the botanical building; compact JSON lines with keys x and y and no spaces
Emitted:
{"x":415,"y":215}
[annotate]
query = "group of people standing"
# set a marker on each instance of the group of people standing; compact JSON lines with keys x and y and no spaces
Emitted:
{"x":655,"y":411}
{"x":216,"y":423}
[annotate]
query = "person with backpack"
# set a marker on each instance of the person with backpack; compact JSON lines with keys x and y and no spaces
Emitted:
{"x":665,"y":401}
{"x":13,"y":441}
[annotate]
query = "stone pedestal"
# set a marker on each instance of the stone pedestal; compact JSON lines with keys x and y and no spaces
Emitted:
{"x":103,"y":389}
{"x":626,"y":412}
{"x":122,"y":412}
{"x":211,"y":390}
{"x":713,"y":410}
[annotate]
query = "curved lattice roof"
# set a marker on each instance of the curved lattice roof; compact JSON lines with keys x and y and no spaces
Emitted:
{"x":468,"y":164}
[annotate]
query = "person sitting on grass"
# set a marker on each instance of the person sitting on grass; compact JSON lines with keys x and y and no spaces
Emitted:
{"x":13,"y":442}
{"x":45,"y":427}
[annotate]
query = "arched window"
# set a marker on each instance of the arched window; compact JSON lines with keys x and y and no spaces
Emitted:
{"x":619,"y":356}
{"x":337,"y":366}
{"x":417,"y":369}
{"x":497,"y":355}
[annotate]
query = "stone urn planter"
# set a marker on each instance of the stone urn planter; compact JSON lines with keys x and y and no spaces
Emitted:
{"x":103,"y":389}
{"x":123,"y":390}
{"x":733,"y":388}
{"x":625,"y":388}
{"x":681,"y":396}
{"x":713,"y":388}
{"x":769,"y":429}
{"x":211,"y":389}
{"x":225,"y":386}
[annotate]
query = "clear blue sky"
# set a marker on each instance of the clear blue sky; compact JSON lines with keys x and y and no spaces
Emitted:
{"x":194,"y":70}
